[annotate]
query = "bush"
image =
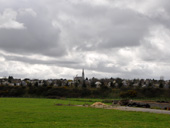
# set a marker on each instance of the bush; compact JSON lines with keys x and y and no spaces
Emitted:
{"x":17,"y":91}
{"x":128,"y":94}
{"x":152,"y":92}
{"x":59,"y":91}
{"x":85,"y":93}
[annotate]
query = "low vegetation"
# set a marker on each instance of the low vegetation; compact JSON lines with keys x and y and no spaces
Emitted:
{"x":104,"y":92}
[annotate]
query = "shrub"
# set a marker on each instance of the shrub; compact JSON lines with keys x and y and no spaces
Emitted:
{"x":128,"y":94}
{"x":17,"y":91}
{"x":85,"y":93}
{"x":59,"y":91}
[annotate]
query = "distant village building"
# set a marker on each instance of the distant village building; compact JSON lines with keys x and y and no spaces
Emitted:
{"x":124,"y":82}
{"x":98,"y":84}
{"x":79,"y":79}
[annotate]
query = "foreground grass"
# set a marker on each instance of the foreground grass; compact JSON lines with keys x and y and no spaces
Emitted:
{"x":43,"y":113}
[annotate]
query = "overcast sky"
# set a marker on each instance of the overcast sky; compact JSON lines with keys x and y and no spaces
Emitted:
{"x":108,"y":38}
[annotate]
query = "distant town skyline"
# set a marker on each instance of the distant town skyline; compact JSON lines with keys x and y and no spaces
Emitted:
{"x":56,"y":39}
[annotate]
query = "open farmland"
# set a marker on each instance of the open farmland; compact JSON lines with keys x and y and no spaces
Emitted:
{"x":44,"y":113}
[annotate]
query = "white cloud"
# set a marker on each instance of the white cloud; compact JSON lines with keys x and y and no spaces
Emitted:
{"x":156,"y":46}
{"x":8,"y":20}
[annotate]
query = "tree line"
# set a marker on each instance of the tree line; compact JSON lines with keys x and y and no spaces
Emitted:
{"x":103,"y":92}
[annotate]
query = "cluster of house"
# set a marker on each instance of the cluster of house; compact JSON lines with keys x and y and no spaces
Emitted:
{"x":143,"y":83}
{"x":79,"y":81}
{"x":94,"y":82}
{"x":10,"y":81}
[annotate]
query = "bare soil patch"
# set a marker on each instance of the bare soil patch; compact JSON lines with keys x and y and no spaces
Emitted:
{"x":118,"y":107}
{"x":124,"y":108}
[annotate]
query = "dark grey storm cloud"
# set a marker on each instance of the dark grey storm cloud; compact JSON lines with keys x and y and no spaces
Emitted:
{"x":120,"y":38}
{"x":39,"y":61}
{"x":99,"y":27}
{"x":38,"y":37}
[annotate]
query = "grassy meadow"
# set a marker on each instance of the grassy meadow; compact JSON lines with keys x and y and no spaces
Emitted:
{"x":44,"y":113}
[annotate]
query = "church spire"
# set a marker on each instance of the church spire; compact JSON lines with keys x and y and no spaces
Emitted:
{"x":83,"y":74}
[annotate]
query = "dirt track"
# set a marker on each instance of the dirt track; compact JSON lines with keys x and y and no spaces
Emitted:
{"x":125,"y":108}
{"x":141,"y":110}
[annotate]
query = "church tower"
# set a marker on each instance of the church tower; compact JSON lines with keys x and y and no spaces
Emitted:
{"x":83,"y":75}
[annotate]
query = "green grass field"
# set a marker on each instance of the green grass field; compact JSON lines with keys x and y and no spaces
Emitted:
{"x":43,"y":113}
